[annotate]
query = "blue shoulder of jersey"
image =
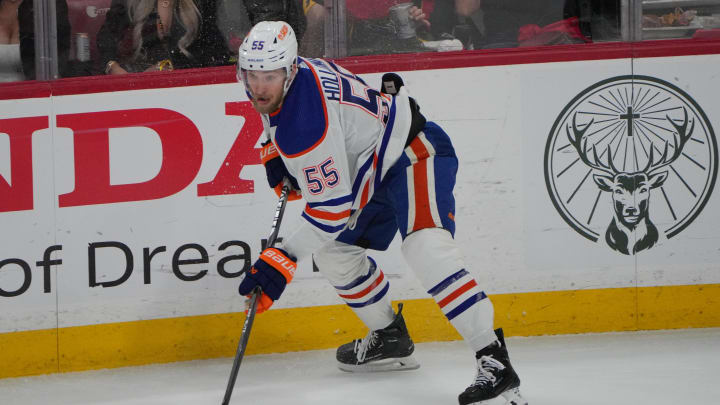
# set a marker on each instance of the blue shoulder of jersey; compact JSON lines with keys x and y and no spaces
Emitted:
{"x":302,"y":120}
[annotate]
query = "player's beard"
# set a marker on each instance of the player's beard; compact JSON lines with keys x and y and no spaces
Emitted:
{"x":268,"y":108}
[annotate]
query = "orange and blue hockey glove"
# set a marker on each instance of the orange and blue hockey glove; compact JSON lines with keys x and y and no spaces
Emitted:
{"x":272,"y":272}
{"x":276,"y":171}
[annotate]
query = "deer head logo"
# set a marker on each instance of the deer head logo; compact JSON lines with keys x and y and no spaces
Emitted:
{"x":631,"y":229}
{"x":622,"y":146}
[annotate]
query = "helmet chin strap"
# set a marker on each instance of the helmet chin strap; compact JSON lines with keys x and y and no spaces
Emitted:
{"x":290,"y":77}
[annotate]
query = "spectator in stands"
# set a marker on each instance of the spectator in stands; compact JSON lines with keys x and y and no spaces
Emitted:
{"x":461,"y":19}
{"x":10,"y":62}
{"x":161,"y":35}
{"x":17,"y":39}
{"x":598,"y":20}
{"x":235,"y":17}
{"x":289,"y":11}
{"x":370,"y":28}
{"x":313,"y":43}
{"x":233,"y":22}
{"x":86,"y":19}
{"x":510,"y":23}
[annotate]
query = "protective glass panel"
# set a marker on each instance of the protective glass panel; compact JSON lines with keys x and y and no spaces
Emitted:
{"x":126,"y":36}
{"x":157,"y":35}
{"x":664,"y":19}
{"x":390,"y":26}
{"x":316,"y":15}
{"x":518,"y":23}
{"x":85,"y":17}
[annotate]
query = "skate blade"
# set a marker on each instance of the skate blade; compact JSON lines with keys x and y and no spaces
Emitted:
{"x":394,"y":364}
{"x":511,"y":397}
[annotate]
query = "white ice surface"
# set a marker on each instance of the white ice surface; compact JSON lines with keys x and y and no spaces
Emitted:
{"x":679,"y":367}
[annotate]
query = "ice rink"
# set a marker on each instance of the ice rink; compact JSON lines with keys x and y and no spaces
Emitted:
{"x":678,"y":367}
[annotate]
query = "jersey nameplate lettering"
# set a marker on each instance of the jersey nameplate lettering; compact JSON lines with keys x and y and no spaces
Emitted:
{"x":328,"y":80}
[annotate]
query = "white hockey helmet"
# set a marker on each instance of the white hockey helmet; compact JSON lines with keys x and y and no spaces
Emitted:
{"x":268,"y":46}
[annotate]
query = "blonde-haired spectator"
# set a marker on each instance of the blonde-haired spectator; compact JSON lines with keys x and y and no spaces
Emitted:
{"x":160,"y":35}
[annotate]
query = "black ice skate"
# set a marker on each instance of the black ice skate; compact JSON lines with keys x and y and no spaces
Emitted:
{"x":495,"y":376}
{"x":381,"y":350}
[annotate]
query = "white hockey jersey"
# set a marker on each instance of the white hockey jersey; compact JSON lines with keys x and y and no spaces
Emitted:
{"x":338,"y":137}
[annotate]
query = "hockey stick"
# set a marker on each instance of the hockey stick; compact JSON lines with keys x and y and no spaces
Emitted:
{"x":256,"y":293}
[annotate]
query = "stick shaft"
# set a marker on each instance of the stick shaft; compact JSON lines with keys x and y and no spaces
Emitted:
{"x":279,"y":211}
{"x":254,"y":297}
{"x":244,"y":337}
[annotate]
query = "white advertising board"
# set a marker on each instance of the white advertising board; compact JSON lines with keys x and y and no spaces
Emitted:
{"x":157,"y":198}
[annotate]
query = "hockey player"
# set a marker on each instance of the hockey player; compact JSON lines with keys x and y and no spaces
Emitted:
{"x":368,"y":164}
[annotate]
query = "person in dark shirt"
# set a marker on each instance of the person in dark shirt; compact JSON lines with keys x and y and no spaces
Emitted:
{"x":289,"y":11}
{"x":154,"y":35}
{"x":597,"y":20}
{"x":236,"y":17}
{"x":26,"y":21}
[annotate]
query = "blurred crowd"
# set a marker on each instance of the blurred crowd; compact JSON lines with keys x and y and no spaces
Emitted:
{"x":125,"y":36}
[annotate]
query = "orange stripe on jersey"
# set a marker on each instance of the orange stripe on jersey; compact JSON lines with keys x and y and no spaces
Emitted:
{"x":367,"y":290}
{"x":470,"y":284}
{"x":419,"y":149}
{"x":423,"y":217}
{"x":330,"y":216}
{"x":327,"y":122}
{"x":365,"y":193}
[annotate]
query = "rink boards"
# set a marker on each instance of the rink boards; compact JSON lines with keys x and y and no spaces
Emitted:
{"x":128,"y":209}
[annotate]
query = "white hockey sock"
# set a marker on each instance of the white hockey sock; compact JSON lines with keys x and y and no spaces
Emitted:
{"x":367,"y":296}
{"x":358,"y":281}
{"x":434,"y":256}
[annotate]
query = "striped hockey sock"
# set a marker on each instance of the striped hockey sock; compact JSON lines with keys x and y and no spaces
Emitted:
{"x":367,"y":296}
{"x":466,"y":307}
{"x":434,"y":256}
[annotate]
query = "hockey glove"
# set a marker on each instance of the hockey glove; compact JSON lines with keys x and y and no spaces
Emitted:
{"x":272,"y":272}
{"x":277,"y":172}
{"x":391,"y":83}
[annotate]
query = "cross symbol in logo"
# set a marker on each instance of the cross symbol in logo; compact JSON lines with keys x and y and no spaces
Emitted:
{"x":629,"y":117}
